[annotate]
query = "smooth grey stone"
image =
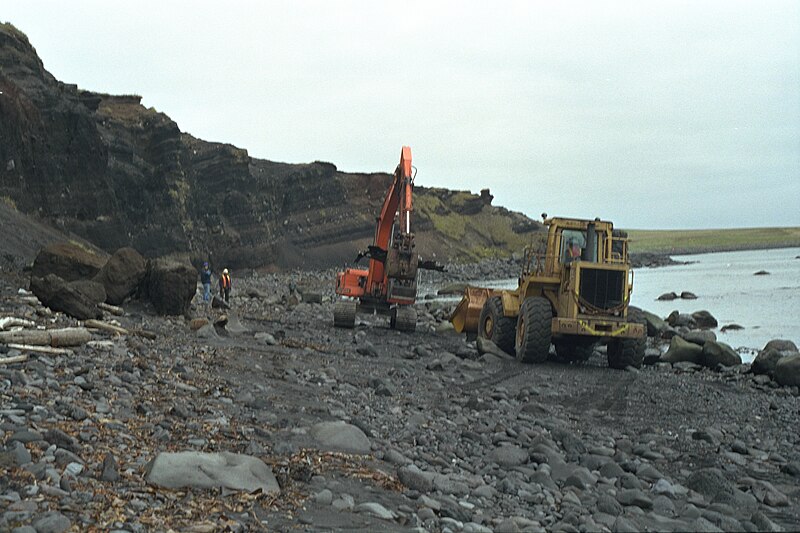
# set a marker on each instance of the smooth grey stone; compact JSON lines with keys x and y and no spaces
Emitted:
{"x":608,"y":505}
{"x":509,"y":455}
{"x":414,"y":478}
{"x":635,"y":497}
{"x":611,"y":470}
{"x":52,"y":522}
{"x":426,"y":514}
{"x":340,"y":436}
{"x":210,"y":470}
{"x":375,"y":509}
{"x":324,"y":497}
{"x":623,"y":525}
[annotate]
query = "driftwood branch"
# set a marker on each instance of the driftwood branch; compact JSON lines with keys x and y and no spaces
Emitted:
{"x":14,"y":359}
{"x":8,"y":322}
{"x":105,"y":326}
{"x":113,"y":309}
{"x":41,"y":349}
{"x":47,"y":337}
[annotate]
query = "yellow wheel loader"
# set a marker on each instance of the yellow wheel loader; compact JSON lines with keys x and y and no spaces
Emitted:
{"x":573,"y":293}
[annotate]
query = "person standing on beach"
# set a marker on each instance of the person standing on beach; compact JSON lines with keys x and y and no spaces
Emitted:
{"x":205,"y":279}
{"x":225,"y":285}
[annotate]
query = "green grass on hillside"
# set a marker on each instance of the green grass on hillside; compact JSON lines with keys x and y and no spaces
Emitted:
{"x":711,"y":240}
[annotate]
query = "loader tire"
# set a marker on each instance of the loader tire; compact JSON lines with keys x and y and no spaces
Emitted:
{"x":494,"y":326}
{"x":623,"y":353}
{"x":575,"y":350}
{"x":534,"y":325}
{"x":344,"y":314}
{"x":404,"y":318}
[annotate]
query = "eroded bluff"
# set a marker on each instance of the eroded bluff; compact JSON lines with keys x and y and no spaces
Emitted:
{"x":119,"y":174}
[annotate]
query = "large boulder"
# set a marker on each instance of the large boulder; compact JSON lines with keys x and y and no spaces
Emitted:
{"x":704,"y":319}
{"x":211,"y":470}
{"x":171,"y":285}
{"x":699,"y":336}
{"x":340,"y":436}
{"x":717,"y":354}
{"x":787,"y":370}
{"x":774,"y":351}
{"x":93,"y":290}
{"x":682,"y":351}
{"x":655,"y":325}
{"x":68,"y":261}
{"x":59,"y":295}
{"x":122,"y":274}
{"x":676,"y":319}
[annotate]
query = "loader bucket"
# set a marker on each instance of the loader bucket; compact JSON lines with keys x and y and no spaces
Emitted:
{"x":466,"y":314}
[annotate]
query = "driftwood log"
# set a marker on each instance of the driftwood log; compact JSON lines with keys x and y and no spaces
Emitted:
{"x":47,"y":337}
{"x":118,"y":330}
{"x":14,"y":359}
{"x":113,"y":309}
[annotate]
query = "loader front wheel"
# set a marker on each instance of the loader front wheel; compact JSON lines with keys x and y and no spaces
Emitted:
{"x":344,"y":314}
{"x":534,"y":325}
{"x":494,"y":326}
{"x":623,"y":353}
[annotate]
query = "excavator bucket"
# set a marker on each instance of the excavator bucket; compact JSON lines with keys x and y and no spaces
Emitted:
{"x":466,"y":314}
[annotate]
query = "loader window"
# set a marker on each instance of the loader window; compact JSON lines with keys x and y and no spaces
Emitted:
{"x":573,"y":245}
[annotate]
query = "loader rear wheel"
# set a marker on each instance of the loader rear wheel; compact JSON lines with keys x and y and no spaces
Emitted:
{"x":575,"y":350}
{"x":404,"y":318}
{"x":623,"y":353}
{"x":534,"y":325}
{"x":496,"y":327}
{"x":344,"y":314}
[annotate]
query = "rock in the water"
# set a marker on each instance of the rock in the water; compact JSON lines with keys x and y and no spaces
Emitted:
{"x":686,"y":295}
{"x":682,"y":351}
{"x":171,"y":285}
{"x":122,"y":274}
{"x":704,"y":319}
{"x":787,"y":370}
{"x":699,"y":337}
{"x":716,"y":354}
{"x":761,"y":273}
{"x":340,"y":436}
{"x":210,"y":470}
{"x":58,"y":295}
{"x":676,"y":319}
{"x":68,"y":261}
{"x":668,"y":297}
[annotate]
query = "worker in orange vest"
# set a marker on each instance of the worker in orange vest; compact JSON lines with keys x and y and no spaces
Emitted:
{"x":225,"y":285}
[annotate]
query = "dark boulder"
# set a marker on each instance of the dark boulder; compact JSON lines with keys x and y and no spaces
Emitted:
{"x":731,"y":327}
{"x":767,"y":359}
{"x":171,"y":285}
{"x":676,"y":319}
{"x":655,"y":325}
{"x":704,"y":319}
{"x":787,"y":370}
{"x":699,"y":337}
{"x":717,"y":354}
{"x":761,"y":273}
{"x":686,"y":295}
{"x":59,"y":295}
{"x":68,"y":261}
{"x":668,"y":297}
{"x":682,"y":351}
{"x":93,"y":290}
{"x":122,"y":274}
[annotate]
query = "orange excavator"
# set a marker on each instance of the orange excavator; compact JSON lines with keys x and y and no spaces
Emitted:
{"x":389,"y":285}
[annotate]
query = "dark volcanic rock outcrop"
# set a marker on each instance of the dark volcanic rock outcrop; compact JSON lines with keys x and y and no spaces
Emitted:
{"x":119,"y":174}
{"x":122,"y":274}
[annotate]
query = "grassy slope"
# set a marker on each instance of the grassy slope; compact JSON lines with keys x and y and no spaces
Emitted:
{"x":711,"y":240}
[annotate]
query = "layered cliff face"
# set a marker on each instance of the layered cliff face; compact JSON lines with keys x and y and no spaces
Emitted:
{"x":118,"y":174}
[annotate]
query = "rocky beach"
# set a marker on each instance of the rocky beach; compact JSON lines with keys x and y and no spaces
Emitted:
{"x":264,"y":417}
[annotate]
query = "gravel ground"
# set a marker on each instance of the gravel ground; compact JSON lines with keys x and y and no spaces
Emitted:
{"x":429,"y":435}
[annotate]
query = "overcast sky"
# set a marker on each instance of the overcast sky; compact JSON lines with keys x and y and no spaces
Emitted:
{"x":652,"y":114}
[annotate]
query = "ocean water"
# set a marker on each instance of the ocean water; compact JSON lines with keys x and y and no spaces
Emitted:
{"x":768,"y":307}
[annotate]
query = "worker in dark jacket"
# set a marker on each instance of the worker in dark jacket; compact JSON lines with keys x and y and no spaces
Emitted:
{"x":205,"y":279}
{"x":225,"y":285}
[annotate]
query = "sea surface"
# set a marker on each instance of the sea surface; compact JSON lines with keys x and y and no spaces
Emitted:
{"x":766,"y":306}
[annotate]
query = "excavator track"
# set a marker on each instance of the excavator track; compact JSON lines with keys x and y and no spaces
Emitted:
{"x":404,"y":318}
{"x":344,"y":314}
